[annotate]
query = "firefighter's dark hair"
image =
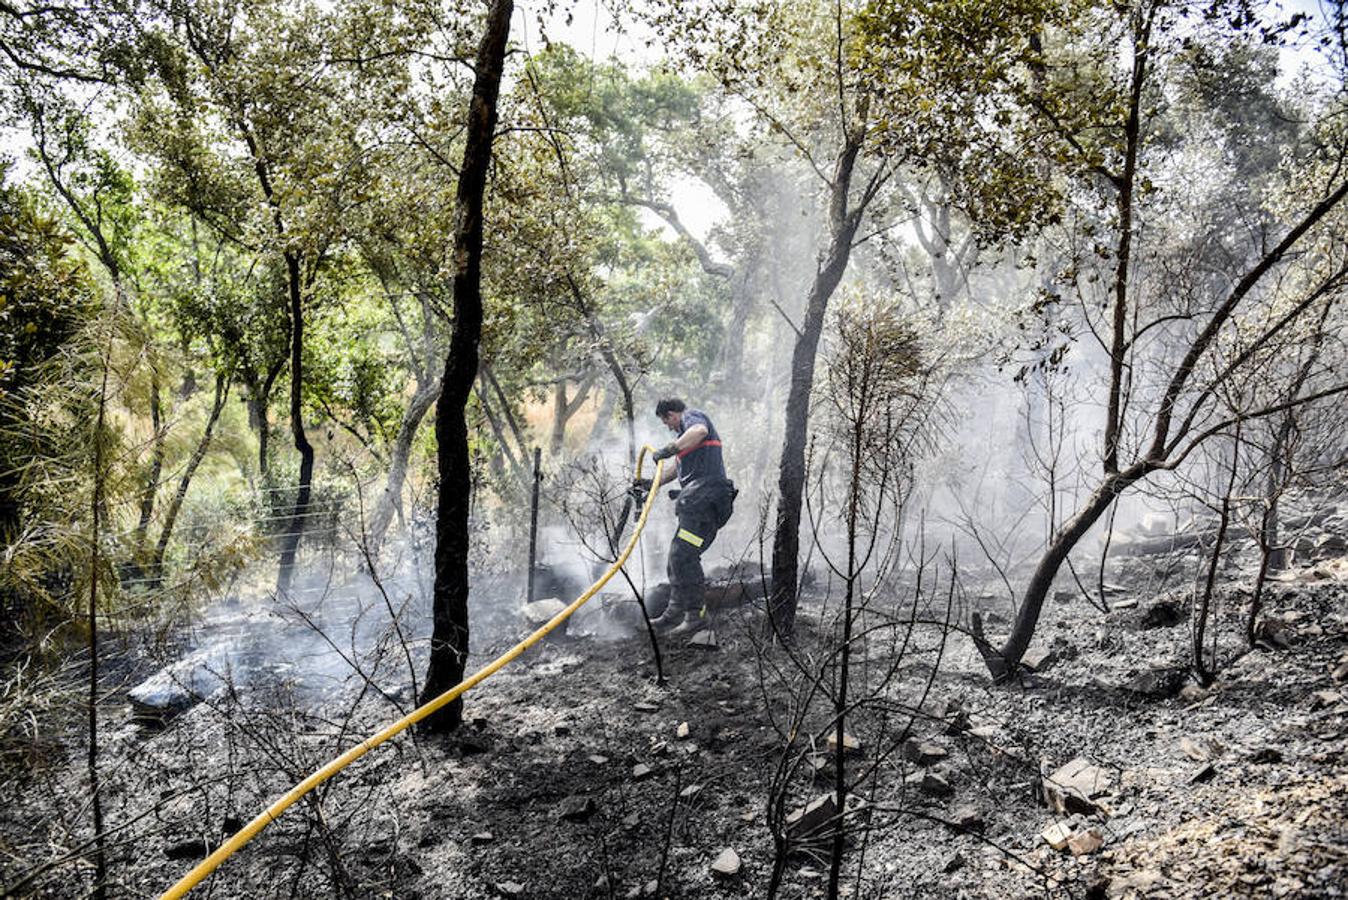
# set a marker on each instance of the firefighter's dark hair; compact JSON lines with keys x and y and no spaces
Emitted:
{"x":669,"y":405}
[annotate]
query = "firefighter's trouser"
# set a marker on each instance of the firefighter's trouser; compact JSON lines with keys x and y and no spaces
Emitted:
{"x":702,"y":508}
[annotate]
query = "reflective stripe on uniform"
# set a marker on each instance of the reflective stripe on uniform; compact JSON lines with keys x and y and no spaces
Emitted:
{"x":683,"y":453}
{"x":686,"y":535}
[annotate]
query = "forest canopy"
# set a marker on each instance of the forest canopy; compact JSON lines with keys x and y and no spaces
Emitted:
{"x":295,"y":295}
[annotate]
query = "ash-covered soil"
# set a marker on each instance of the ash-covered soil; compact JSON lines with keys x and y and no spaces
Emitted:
{"x":578,"y":776}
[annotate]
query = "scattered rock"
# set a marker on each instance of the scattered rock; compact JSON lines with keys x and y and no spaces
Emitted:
{"x":509,"y":888}
{"x":809,"y":820}
{"x":540,"y":612}
{"x":929,"y":783}
{"x":577,"y":809}
{"x":968,"y":818}
{"x":1073,"y":788}
{"x":1125,"y":603}
{"x":598,"y":759}
{"x":1056,"y":835}
{"x":923,"y":753}
{"x":1273,"y":634}
{"x":704,"y":640}
{"x":1163,"y":613}
{"x":851,"y":745}
{"x":727,"y":864}
{"x":645,"y":707}
{"x":1160,"y":684}
{"x":640,"y":771}
{"x":1085,"y":842}
{"x":682,"y":731}
{"x":1325,"y":700}
{"x":1038,"y":659}
{"x":1192,"y":693}
{"x":1329,"y":545}
{"x":1203,"y":775}
{"x":1340,"y":673}
{"x":954,"y":863}
{"x":482,"y":837}
{"x":1201,"y":749}
{"x":690,"y":793}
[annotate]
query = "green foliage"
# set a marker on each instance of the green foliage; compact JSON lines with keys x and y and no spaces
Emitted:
{"x":44,"y":288}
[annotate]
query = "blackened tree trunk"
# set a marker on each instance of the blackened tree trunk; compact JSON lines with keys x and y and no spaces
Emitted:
{"x":449,"y":637}
{"x":299,"y":514}
{"x":791,"y":471}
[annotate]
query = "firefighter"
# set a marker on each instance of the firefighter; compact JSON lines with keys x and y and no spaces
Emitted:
{"x":703,"y":504}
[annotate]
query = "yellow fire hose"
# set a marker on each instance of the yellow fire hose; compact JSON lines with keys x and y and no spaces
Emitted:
{"x":273,"y":812}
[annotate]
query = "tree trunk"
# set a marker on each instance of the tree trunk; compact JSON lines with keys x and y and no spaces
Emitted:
{"x":399,"y":457}
{"x":791,"y":472}
{"x":151,"y":486}
{"x":290,"y":540}
{"x":1002,"y":662}
{"x":449,"y":637}
{"x":199,"y":454}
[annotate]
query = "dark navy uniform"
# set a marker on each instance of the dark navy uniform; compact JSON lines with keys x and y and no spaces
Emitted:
{"x":706,"y":500}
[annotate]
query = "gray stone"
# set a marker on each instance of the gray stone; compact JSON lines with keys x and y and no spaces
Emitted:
{"x":807,"y":821}
{"x":540,"y":612}
{"x":923,"y":753}
{"x":640,"y":771}
{"x":727,"y":864}
{"x":1158,"y":683}
{"x":1200,"y":749}
{"x":483,"y":837}
{"x":576,"y":809}
{"x":1038,"y":659}
{"x":851,"y":746}
{"x":1085,"y":842}
{"x":930,"y":784}
{"x":645,"y":707}
{"x":703,"y":640}
{"x":509,"y":888}
{"x":1056,"y":835}
{"x":1075,"y":787}
{"x":968,"y":818}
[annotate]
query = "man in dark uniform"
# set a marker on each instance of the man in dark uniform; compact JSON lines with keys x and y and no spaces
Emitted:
{"x":704,"y":503}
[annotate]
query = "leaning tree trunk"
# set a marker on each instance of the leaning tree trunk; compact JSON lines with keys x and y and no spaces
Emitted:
{"x":449,"y":637}
{"x":397,"y":465}
{"x":791,"y":472}
{"x":299,"y":515}
{"x":199,"y":454}
{"x":1002,"y":662}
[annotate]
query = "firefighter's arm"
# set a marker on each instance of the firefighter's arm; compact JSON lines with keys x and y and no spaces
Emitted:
{"x":689,"y":439}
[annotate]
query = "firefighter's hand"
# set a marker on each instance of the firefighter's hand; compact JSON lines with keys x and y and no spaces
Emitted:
{"x":639,"y":489}
{"x":665,"y":452}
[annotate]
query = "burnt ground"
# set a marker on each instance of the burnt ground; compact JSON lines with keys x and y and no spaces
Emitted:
{"x":571,"y":778}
